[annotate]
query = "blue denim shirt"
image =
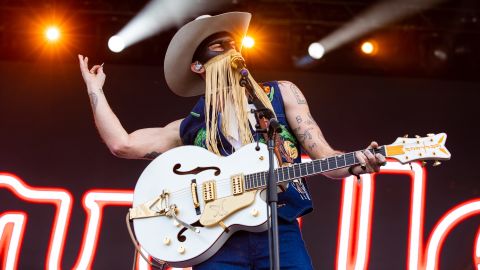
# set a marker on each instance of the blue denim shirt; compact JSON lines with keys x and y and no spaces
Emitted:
{"x":295,"y":201}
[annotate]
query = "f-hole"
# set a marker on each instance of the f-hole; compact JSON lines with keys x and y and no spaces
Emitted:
{"x":182,"y":237}
{"x":196,"y":170}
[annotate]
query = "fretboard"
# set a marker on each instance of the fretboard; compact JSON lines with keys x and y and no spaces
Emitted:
{"x":298,"y":170}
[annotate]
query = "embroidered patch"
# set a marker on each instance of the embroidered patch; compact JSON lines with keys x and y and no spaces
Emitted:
{"x":200,"y":138}
{"x":270,"y":91}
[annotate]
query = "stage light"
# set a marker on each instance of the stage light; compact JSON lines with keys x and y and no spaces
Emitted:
{"x":248,"y":42}
{"x":160,"y":15}
{"x":116,"y":44}
{"x":316,"y":50}
{"x":52,"y":33}
{"x":369,"y":47}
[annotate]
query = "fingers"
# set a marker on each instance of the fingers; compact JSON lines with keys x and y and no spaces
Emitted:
{"x":361,"y":159}
{"x":94,"y":69}
{"x":371,"y":161}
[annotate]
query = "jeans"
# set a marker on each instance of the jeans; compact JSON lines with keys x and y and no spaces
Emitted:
{"x":247,"y":250}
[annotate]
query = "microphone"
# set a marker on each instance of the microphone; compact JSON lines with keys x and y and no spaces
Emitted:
{"x":237,"y":62}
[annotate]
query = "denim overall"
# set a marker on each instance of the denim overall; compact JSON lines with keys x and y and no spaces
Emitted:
{"x":247,"y":250}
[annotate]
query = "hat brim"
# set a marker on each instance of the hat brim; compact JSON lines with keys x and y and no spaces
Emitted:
{"x":180,"y":78}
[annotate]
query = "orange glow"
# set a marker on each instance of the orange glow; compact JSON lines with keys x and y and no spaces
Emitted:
{"x":369,"y":47}
{"x":52,"y":33}
{"x":248,"y":42}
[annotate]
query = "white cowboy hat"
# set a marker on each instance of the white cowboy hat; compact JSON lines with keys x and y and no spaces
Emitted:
{"x":180,"y":78}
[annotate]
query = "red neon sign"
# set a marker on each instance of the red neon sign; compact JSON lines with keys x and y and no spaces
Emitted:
{"x":353,"y":246}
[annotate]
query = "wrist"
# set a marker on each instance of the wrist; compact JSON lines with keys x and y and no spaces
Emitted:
{"x":96,"y":90}
{"x":351,"y":171}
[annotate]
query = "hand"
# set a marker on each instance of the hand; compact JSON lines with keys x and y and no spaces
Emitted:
{"x":94,"y":78}
{"x":369,"y":163}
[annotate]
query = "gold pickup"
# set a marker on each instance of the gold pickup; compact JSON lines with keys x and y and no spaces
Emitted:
{"x":209,"y":189}
{"x":237,"y":184}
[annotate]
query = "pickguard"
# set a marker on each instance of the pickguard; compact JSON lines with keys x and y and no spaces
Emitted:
{"x":218,"y":210}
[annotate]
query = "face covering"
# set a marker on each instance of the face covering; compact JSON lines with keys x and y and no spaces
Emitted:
{"x":224,"y":96}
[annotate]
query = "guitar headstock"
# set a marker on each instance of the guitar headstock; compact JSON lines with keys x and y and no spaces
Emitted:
{"x":407,"y":150}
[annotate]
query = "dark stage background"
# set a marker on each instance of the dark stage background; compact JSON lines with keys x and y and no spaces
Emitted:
{"x":48,"y":138}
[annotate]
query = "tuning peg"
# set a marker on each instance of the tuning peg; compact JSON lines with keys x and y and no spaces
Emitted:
{"x":430,"y":134}
{"x":424,"y":163}
{"x":436,"y":163}
{"x":411,"y":167}
{"x":405,"y":136}
{"x":417,"y":136}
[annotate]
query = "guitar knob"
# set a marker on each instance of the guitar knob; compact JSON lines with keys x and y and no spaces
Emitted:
{"x":405,"y":136}
{"x":181,"y":249}
{"x":430,"y":134}
{"x":417,"y":136}
{"x":254,"y":212}
{"x":166,"y":241}
{"x":176,"y":223}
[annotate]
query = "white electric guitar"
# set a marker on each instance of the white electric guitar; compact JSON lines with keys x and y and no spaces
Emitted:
{"x":188,"y":201}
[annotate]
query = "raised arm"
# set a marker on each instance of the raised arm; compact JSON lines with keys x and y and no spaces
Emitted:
{"x":141,"y":144}
{"x":311,"y":138}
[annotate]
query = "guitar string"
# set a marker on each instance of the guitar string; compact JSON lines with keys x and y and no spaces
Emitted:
{"x":221,"y":183}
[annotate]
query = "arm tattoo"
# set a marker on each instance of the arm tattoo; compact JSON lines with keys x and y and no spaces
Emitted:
{"x":298,"y":95}
{"x":93,"y":99}
{"x":306,"y":135}
{"x":311,"y":146}
{"x":152,"y":155}
{"x":299,"y":119}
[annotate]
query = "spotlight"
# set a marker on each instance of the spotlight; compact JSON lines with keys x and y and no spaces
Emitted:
{"x":52,"y":33}
{"x":116,"y":44}
{"x":248,"y":42}
{"x":369,"y":47}
{"x":316,"y":50}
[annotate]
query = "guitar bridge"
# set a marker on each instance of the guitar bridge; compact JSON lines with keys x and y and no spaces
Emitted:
{"x":209,"y":191}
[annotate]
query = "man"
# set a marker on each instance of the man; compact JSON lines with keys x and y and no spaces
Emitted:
{"x":198,"y":62}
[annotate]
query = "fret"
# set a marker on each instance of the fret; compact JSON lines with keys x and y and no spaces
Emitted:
{"x":310,"y":164}
{"x":340,"y":163}
{"x":263,"y":180}
{"x":324,"y":165}
{"x":350,"y":158}
{"x":331,"y":163}
{"x":301,"y":167}
{"x":290,"y":172}
{"x":294,"y":171}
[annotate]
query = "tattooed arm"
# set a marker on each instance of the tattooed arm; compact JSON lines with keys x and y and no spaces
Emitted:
{"x":310,"y":136}
{"x":141,"y":144}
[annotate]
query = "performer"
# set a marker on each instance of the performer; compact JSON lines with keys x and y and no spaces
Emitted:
{"x":198,"y":62}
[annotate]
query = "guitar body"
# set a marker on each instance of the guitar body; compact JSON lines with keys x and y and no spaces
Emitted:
{"x":173,"y":172}
{"x":189,"y":201}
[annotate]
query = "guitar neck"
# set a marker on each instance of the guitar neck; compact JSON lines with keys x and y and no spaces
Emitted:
{"x":298,"y":170}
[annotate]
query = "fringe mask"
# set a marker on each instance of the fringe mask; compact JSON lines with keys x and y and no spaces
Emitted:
{"x":224,"y":96}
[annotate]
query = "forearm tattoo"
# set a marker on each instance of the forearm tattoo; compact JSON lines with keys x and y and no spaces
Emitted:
{"x":298,"y":95}
{"x":305,"y":131}
{"x":94,"y":98}
{"x":152,"y":155}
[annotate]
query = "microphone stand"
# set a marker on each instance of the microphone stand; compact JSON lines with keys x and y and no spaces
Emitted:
{"x":272,"y":196}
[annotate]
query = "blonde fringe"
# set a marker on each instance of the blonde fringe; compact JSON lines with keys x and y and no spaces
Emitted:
{"x":224,"y":95}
